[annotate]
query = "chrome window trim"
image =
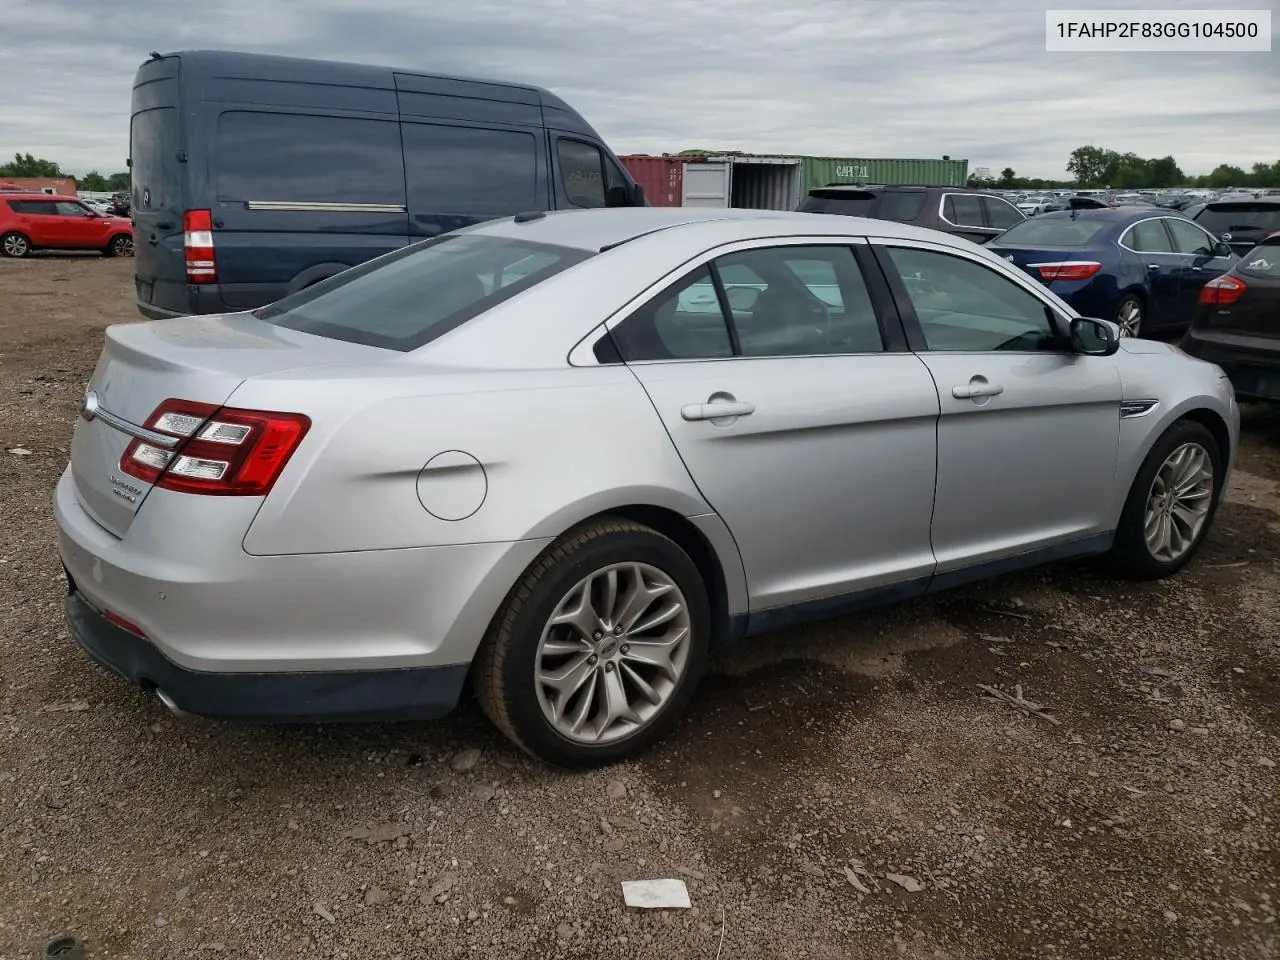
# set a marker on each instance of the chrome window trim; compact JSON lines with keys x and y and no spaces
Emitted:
{"x":1213,"y":241}
{"x":1166,"y":253}
{"x":942,"y":205}
{"x":1021,"y":216}
{"x":583,"y":353}
{"x":318,"y":207}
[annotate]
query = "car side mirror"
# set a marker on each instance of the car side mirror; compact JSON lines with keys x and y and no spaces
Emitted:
{"x":1222,"y":249}
{"x":637,"y":196}
{"x":1094,"y":338}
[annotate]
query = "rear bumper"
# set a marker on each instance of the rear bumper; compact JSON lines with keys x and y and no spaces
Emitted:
{"x":421,"y":693}
{"x":195,"y":299}
{"x":1251,"y":363}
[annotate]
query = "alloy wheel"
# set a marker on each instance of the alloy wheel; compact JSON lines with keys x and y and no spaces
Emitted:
{"x":15,"y":245}
{"x":612,"y":653}
{"x":1178,"y":503}
{"x":1130,"y":318}
{"x":124,"y":246}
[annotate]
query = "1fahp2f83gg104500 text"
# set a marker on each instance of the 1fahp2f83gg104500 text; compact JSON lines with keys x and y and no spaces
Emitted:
{"x":1157,"y":30}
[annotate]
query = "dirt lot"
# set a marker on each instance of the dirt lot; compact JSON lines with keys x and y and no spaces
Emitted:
{"x":814,"y":763}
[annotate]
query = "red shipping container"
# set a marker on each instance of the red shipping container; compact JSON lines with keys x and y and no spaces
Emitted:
{"x":661,"y":177}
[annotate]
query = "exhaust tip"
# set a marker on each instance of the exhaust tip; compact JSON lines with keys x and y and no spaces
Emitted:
{"x":172,"y":707}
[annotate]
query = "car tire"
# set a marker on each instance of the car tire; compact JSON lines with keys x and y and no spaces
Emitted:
{"x":1129,"y":315}
{"x":523,"y":644}
{"x":1133,"y":554}
{"x":15,"y":245}
{"x":120,"y":246}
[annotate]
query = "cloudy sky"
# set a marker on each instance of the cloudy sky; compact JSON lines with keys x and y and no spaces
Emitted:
{"x":845,"y":78}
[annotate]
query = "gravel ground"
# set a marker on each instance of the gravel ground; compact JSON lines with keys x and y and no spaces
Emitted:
{"x":841,"y":791}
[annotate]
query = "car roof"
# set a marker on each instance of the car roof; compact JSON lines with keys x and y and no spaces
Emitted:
{"x":602,"y":229}
{"x":1244,"y":201}
{"x":27,"y":195}
{"x":1112,"y":214}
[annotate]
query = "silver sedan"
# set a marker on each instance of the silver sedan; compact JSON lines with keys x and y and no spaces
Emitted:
{"x":562,"y":457}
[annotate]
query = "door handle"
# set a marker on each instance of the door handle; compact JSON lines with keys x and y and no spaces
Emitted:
{"x":164,"y":225}
{"x":717,"y":410}
{"x":977,"y":388}
{"x":1153,"y":268}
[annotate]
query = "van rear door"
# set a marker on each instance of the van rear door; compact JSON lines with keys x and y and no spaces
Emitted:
{"x":156,"y":170}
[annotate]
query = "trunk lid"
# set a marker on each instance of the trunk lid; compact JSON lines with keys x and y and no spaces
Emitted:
{"x":202,"y":359}
{"x":1023,"y":257}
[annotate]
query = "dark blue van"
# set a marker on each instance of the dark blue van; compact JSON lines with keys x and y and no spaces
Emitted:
{"x":255,"y":176}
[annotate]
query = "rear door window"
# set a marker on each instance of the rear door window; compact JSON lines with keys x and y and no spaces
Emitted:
{"x":963,"y":209}
{"x":408,"y":298}
{"x":1149,"y":236}
{"x":470,"y":171}
{"x":34,"y":208}
{"x":1001,"y":213}
{"x":296,"y":158}
{"x":154,"y":170}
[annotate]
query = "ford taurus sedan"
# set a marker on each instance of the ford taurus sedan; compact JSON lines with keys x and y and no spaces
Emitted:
{"x":560,"y":457}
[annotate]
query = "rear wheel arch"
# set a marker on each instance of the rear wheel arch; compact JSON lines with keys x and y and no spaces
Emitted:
{"x":692,"y":541}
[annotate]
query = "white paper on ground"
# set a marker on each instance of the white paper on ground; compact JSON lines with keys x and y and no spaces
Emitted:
{"x":655,"y":894}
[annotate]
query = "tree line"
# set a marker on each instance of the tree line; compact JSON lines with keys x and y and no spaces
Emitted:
{"x":25,"y":165}
{"x":1099,"y":168}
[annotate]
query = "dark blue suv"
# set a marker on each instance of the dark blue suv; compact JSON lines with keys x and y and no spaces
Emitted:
{"x":256,"y":176}
{"x":1142,"y":268}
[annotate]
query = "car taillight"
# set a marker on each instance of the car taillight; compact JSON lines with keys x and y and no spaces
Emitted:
{"x":221,"y":451}
{"x":197,"y":247}
{"x":1223,"y":290}
{"x":1067,"y":269}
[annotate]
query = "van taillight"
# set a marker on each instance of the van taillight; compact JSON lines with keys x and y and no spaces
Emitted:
{"x":221,"y":451}
{"x":197,"y":247}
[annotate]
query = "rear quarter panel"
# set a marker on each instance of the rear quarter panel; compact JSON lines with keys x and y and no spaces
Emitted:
{"x":556,"y":446}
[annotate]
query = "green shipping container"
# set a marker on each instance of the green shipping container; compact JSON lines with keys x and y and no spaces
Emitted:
{"x":822,"y":171}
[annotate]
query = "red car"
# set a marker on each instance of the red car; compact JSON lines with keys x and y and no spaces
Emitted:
{"x":37,"y":221}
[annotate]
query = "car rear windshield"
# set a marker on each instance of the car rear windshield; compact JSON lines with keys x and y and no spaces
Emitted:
{"x":1044,"y":232}
{"x":902,"y":206}
{"x":408,"y":298}
{"x":1220,"y":218}
{"x":1262,"y":261}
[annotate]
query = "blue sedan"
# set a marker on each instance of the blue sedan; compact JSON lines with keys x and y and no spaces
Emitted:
{"x":1142,"y":268}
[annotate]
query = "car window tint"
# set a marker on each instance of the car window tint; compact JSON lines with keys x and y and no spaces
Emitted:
{"x":965,"y":306}
{"x":38,"y":208}
{"x":469,"y":171}
{"x":1051,"y":231}
{"x":292,"y":158}
{"x":683,"y":322}
{"x":1188,"y":238}
{"x":794,"y":301}
{"x":405,"y":299}
{"x":1251,"y":218}
{"x":901,"y":206}
{"x":582,"y":173}
{"x":963,"y":209}
{"x":1149,"y":236}
{"x":1001,"y":213}
{"x":68,"y":208}
{"x":1262,"y":261}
